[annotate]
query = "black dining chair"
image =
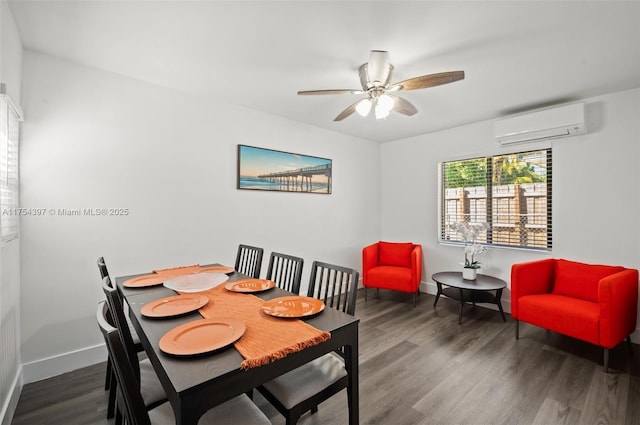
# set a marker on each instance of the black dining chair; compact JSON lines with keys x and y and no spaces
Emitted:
{"x":286,"y":271}
{"x":304,"y":388}
{"x":102,"y":268}
{"x":249,"y":260}
{"x":239,"y":410}
{"x":150,"y":388}
{"x":110,"y":376}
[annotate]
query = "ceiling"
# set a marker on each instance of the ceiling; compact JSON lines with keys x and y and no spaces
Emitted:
{"x":516,"y":55}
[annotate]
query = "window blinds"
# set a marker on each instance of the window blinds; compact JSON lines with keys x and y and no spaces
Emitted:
{"x":510,"y":193}
{"x":9,"y":184}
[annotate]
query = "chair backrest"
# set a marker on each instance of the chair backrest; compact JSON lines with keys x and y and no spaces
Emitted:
{"x":580,"y":280}
{"x":396,"y":254}
{"x":102,"y":267}
{"x":129,"y":398}
{"x":335,"y":285}
{"x":286,"y":271}
{"x":249,"y":260}
{"x":116,"y":309}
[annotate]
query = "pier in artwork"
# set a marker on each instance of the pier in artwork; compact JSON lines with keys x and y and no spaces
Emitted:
{"x":299,"y":179}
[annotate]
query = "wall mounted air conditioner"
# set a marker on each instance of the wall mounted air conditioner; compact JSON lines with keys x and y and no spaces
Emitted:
{"x":552,"y":123}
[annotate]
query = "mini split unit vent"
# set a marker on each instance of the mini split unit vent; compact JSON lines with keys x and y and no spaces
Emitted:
{"x":553,"y":123}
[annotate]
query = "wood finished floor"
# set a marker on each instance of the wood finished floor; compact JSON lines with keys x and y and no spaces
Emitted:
{"x":419,"y":367}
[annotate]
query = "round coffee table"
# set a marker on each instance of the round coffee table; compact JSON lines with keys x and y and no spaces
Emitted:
{"x":473,"y":291}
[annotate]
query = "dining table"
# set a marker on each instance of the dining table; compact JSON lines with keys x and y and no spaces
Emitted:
{"x":195,"y":384}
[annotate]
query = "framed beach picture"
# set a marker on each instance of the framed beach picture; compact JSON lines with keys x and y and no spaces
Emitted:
{"x":267,"y":169}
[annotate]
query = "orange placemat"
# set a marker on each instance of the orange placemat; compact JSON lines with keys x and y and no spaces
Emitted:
{"x":266,"y":338}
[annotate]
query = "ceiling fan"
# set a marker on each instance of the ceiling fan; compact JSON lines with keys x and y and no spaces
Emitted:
{"x":375,"y":77}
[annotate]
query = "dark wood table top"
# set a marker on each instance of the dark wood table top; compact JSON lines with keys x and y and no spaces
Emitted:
{"x":197,"y":383}
{"x":483,"y":282}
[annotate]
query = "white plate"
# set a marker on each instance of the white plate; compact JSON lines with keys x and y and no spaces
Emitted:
{"x":196,"y":282}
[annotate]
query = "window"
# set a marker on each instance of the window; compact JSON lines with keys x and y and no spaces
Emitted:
{"x":511,"y":193}
{"x":9,"y":136}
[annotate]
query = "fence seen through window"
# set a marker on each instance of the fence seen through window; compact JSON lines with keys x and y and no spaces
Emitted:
{"x":511,"y":193}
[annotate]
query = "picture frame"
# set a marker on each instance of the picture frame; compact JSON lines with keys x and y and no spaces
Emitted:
{"x":279,"y":171}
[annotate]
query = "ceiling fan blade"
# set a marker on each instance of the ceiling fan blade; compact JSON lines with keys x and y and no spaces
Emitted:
{"x":350,"y":110}
{"x":335,"y":91}
{"x":430,"y":80}
{"x":402,"y":106}
{"x":364,"y":76}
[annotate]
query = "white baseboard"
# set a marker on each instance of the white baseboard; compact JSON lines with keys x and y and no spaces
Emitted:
{"x":63,"y":363}
{"x":9,"y":408}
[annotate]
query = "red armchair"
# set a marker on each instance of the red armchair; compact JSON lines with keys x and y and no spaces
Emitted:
{"x":593,"y":303}
{"x":392,"y":265}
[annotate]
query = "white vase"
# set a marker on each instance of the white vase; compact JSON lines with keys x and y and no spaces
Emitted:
{"x":468,"y":273}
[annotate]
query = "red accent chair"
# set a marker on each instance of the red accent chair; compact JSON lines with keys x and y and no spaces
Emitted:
{"x":392,"y":265}
{"x":593,"y":303}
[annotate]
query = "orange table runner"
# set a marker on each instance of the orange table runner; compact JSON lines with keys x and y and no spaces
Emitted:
{"x":177,"y":271}
{"x":266,"y":338}
{"x":159,"y":276}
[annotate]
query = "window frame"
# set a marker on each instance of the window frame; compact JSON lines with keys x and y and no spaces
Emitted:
{"x":10,"y":118}
{"x":446,"y":236}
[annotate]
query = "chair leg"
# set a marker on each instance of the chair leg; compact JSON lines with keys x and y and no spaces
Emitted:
{"x":517,"y":329}
{"x":365,"y":293}
{"x":606,"y":360}
{"x":414,"y":300}
{"x":119,"y":417}
{"x":629,"y":345}
{"x":292,"y":420}
{"x":111,"y":404}
{"x":107,"y":379}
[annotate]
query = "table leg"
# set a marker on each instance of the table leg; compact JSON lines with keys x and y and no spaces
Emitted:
{"x":351,"y":364}
{"x":461,"y":305}
{"x":438,"y":294}
{"x":499,"y":302}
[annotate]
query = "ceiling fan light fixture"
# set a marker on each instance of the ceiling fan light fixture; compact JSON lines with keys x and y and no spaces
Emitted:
{"x":381,"y":112}
{"x":386,"y":102}
{"x":363,"y":108}
{"x":384,"y":105}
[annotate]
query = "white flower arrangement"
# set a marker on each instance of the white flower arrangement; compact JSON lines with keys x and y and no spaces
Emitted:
{"x":469,"y":233}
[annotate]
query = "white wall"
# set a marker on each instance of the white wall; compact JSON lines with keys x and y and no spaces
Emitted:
{"x":595,"y":190}
{"x":10,"y":384}
{"x":98,"y":140}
